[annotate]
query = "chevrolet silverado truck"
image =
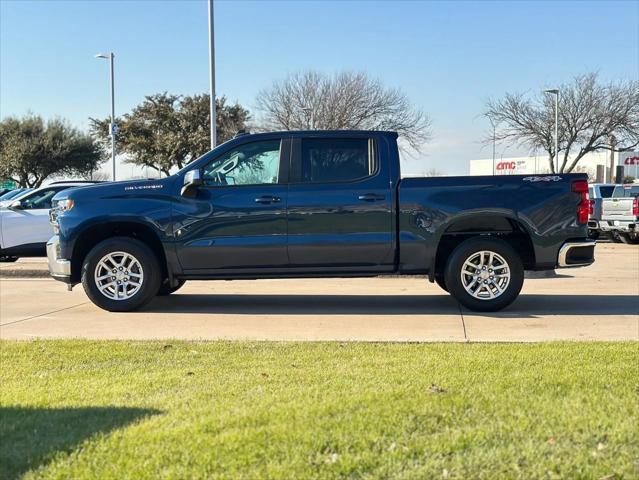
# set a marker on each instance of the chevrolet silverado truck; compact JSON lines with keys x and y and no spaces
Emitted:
{"x":620,"y":214}
{"x":316,"y":204}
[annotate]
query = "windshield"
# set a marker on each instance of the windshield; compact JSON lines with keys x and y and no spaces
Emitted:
{"x":10,"y":194}
{"x":626,"y":191}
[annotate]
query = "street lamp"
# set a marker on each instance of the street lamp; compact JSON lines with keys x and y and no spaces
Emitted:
{"x":112,"y":127}
{"x":555,"y":92}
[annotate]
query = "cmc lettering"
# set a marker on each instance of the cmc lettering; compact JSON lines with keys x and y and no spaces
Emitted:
{"x":506,"y":166}
{"x":631,"y":161}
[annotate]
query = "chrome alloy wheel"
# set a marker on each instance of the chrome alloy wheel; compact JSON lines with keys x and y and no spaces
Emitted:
{"x":485,"y":275}
{"x":119,"y":275}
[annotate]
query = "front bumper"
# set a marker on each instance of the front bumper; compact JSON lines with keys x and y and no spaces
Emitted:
{"x":576,"y":254}
{"x":618,"y":225}
{"x":59,"y":268}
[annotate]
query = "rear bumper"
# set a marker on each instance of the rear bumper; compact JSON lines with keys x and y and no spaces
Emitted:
{"x":576,"y":254}
{"x":627,"y":226}
{"x":59,"y":268}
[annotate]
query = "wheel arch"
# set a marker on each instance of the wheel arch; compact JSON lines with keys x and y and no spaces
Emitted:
{"x":499,"y":225}
{"x":93,"y":234}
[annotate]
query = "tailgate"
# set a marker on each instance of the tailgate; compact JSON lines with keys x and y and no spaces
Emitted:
{"x":617,"y":207}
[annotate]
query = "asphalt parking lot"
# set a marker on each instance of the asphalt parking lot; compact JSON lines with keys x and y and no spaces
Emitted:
{"x":600,"y":302}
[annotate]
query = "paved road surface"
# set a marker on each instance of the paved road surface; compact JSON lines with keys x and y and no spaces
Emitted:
{"x":600,"y":302}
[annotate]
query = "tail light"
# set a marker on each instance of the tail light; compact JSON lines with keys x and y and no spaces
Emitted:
{"x":591,"y":206}
{"x":584,"y":206}
{"x":635,"y":207}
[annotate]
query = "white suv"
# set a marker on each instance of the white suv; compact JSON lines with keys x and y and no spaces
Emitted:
{"x":24,"y":222}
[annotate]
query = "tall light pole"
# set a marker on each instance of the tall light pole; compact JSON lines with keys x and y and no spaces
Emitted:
{"x":212,"y":76}
{"x":555,"y":92}
{"x":311,"y":113}
{"x":494,"y":125}
{"x":113,"y":129}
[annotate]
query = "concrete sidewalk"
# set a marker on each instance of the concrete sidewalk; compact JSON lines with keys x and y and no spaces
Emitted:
{"x":600,"y":302}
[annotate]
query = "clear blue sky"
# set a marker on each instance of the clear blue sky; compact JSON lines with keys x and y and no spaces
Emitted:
{"x":448,"y":57}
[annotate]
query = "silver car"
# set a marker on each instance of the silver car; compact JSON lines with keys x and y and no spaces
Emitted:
{"x":620,"y":213}
{"x":597,"y":192}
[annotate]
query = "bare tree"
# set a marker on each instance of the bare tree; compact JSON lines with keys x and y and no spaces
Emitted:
{"x":592,"y":117}
{"x":346,"y":101}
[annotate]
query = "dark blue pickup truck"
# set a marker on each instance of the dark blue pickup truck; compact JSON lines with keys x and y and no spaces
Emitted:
{"x":316,"y":204}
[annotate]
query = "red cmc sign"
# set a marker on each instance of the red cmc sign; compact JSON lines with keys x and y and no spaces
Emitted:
{"x":631,"y":161}
{"x":506,"y":166}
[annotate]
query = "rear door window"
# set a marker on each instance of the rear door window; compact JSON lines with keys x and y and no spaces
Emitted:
{"x":327,"y":160}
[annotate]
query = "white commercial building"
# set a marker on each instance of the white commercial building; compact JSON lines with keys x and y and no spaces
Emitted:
{"x":539,"y":164}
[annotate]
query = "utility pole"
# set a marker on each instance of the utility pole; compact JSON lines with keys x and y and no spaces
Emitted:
{"x":212,"y":76}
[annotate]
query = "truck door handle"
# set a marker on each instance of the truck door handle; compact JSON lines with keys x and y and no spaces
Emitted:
{"x":370,"y":197}
{"x":268,"y":199}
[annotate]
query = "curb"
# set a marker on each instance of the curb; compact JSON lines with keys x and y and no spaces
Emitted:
{"x":23,"y":273}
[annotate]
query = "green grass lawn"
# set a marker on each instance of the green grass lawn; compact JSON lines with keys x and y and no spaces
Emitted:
{"x":79,"y":409}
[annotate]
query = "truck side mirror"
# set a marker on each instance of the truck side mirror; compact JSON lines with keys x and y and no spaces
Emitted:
{"x":192,"y":180}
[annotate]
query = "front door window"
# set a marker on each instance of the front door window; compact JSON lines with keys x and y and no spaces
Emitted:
{"x":255,"y":163}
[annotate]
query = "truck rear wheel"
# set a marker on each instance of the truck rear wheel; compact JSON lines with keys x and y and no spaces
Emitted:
{"x":167,"y":289}
{"x":484,"y":274}
{"x":439,"y":280}
{"x":121,"y":274}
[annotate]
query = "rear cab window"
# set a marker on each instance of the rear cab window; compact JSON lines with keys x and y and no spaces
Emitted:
{"x":606,"y":192}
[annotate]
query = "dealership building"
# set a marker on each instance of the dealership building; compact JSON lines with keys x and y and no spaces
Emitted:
{"x":539,"y":165}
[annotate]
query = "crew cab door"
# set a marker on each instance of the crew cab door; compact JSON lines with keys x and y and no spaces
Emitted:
{"x":237,"y":218}
{"x":340,"y":202}
{"x":29,"y":224}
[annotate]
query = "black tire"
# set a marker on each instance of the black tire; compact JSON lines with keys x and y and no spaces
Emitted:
{"x":615,"y":237}
{"x":8,"y":258}
{"x":594,"y":234}
{"x":439,"y":280}
{"x":628,"y":239}
{"x":147,"y":260}
{"x":165,"y":289}
{"x":465,"y":251}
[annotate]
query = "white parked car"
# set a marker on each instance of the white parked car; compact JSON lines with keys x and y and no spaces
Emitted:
{"x":24,"y":222}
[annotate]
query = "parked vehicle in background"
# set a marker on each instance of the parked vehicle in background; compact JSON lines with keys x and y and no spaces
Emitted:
{"x":620,"y":213}
{"x":6,"y":198}
{"x":596,"y":193}
{"x":316,"y":204}
{"x":24,"y":222}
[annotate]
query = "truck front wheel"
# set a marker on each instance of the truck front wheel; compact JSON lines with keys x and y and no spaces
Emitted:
{"x":484,"y":274}
{"x":121,"y":274}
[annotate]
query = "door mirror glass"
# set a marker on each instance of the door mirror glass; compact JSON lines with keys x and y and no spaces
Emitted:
{"x":192,"y":180}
